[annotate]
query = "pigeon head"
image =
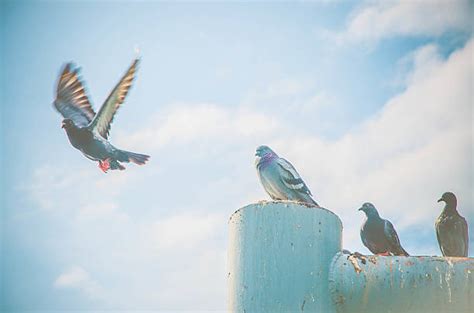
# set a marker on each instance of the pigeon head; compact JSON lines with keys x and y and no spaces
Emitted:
{"x":263,"y":151}
{"x":369,"y":210}
{"x":449,"y":198}
{"x":67,"y":124}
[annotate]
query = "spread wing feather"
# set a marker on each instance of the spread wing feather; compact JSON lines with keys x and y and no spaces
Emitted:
{"x":104,"y":118}
{"x":71,"y":97}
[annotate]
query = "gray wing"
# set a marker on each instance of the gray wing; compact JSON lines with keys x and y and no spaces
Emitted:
{"x":438,"y":235}
{"x":291,"y":178}
{"x":393,"y":240}
{"x":105,"y":116}
{"x":370,"y":245}
{"x":71,"y":97}
{"x":452,"y":234}
{"x":465,"y":236}
{"x":373,"y":241}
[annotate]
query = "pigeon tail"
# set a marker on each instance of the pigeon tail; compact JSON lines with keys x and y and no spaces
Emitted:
{"x":137,"y":158}
{"x":314,"y":202}
{"x":306,"y":198}
{"x":115,"y":165}
{"x":398,"y":251}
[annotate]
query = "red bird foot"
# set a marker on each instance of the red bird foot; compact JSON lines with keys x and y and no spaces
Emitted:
{"x":384,"y":254}
{"x":104,"y":165}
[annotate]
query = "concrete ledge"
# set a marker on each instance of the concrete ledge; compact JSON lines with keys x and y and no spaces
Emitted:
{"x":401,"y":284}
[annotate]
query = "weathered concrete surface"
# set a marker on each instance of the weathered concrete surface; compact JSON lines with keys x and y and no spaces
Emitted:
{"x":286,"y":257}
{"x":402,"y":284}
{"x":279,"y":257}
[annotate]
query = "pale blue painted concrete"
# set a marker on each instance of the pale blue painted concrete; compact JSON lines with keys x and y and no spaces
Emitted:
{"x":402,"y":284}
{"x":279,"y":257}
{"x":286,"y":257}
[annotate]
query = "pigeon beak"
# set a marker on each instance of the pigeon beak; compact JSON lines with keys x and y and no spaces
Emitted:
{"x":440,"y":199}
{"x":360,"y":209}
{"x":63,"y":125}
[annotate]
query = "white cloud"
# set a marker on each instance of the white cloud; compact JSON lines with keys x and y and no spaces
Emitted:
{"x":297,"y":97}
{"x":101,"y":211}
{"x":418,"y":63}
{"x":184,"y":230}
{"x":376,"y":20}
{"x":45,"y":180}
{"x":72,"y":278}
{"x":188,"y":249}
{"x":78,"y":278}
{"x":86,"y":189}
{"x":186,"y":123}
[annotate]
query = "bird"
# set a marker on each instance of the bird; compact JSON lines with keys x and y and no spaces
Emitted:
{"x":451,"y":228}
{"x":87,"y":131}
{"x":280,"y":179}
{"x":378,"y":234}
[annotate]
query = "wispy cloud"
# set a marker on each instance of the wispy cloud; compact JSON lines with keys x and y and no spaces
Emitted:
{"x":189,"y":122}
{"x":376,"y":20}
{"x":78,"y":278}
{"x":95,"y":211}
{"x":416,"y":65}
{"x":184,"y":230}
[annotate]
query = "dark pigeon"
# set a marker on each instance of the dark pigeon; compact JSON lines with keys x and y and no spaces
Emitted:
{"x":378,"y":234}
{"x":88,"y":132}
{"x":451,"y":229}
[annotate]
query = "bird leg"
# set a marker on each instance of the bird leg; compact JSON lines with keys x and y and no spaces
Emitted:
{"x":359,"y":256}
{"x":104,"y":165}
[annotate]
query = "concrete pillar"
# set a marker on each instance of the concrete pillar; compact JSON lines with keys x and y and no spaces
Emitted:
{"x":279,"y":257}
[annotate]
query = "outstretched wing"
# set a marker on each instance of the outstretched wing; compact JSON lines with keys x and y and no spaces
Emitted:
{"x":102,"y":121}
{"x":71,"y":97}
{"x":392,"y":238}
{"x":291,"y":178}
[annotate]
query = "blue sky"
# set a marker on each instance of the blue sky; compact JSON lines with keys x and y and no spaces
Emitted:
{"x":367,"y":109}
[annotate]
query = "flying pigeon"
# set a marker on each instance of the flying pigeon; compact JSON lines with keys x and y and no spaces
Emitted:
{"x":280,"y":179}
{"x":451,"y":228}
{"x":87,"y":131}
{"x":378,"y":234}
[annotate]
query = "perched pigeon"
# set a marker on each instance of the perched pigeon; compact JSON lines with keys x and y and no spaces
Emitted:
{"x":378,"y":235}
{"x":451,"y":228}
{"x":87,"y":131}
{"x":280,"y":179}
